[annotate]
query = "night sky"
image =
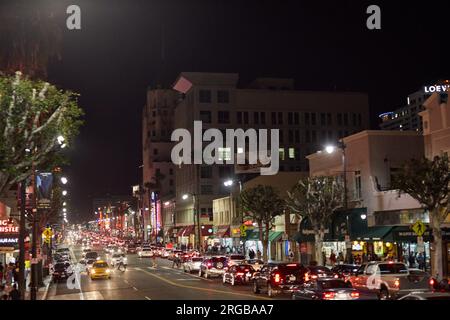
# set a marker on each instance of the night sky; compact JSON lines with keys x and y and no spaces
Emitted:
{"x":323,"y":45}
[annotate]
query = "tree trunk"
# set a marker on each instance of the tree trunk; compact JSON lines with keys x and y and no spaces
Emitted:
{"x":266,"y":243}
{"x":436,"y":261}
{"x":318,"y":237}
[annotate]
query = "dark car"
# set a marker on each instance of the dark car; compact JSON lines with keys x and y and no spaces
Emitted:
{"x":91,"y":255}
{"x":131,"y":248}
{"x":279,"y":278}
{"x":326,"y":289}
{"x":317,"y":272}
{"x":61,"y":271}
{"x":345,"y":270}
{"x":238,"y":274}
{"x":213,"y":266}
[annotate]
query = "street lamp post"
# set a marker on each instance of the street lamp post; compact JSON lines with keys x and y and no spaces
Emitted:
{"x":229,"y":183}
{"x":196,"y":219}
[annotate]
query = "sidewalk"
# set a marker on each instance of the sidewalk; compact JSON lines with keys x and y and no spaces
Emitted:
{"x":42,"y":291}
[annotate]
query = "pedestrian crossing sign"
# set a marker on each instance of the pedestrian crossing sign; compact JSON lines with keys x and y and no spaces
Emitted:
{"x":419,"y":228}
{"x":47,"y":233}
{"x":243,"y":230}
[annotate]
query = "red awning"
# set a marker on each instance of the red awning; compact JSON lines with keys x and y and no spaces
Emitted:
{"x":223,"y":231}
{"x":187,"y":231}
{"x":207,"y":230}
{"x":180,"y":232}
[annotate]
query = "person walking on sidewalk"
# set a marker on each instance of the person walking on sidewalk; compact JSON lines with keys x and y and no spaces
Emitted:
{"x":14,"y":293}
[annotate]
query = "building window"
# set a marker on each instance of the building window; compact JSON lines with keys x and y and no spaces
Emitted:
{"x":224,"y":154}
{"x":307,"y":136}
{"x":245,"y":117}
{"x":205,"y":116}
{"x":155,"y":152}
{"x":345,"y":119}
{"x":291,"y":136}
{"x":263,"y":117}
{"x":358,"y":192}
{"x":329,"y":119}
{"x":171,"y":171}
{"x":239,"y":117}
{"x":274,"y":117}
{"x":281,"y":134}
{"x":290,"y":118}
{"x":291,"y":154}
{"x":205,"y":96}
{"x":307,"y":118}
{"x":281,"y":152}
{"x":330,"y":135}
{"x":153,"y":133}
{"x":210,"y":214}
{"x":154,"y":114}
{"x":280,"y":117}
{"x":339,"y":119}
{"x":223,"y":96}
{"x":322,"y":119}
{"x":206,"y":172}
{"x":206,"y":189}
{"x":359,"y":120}
{"x":224,"y":171}
{"x":355,"y":123}
{"x":313,"y":136}
{"x":171,"y":182}
{"x":313,"y":119}
{"x":256,"y":117}
{"x":223,"y":117}
{"x":297,"y":136}
{"x":296,"y":118}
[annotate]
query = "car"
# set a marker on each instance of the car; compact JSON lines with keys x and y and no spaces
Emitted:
{"x":426,"y":295}
{"x":175,"y":253}
{"x":393,"y":279}
{"x":89,"y":263}
{"x":345,"y":270}
{"x":315,"y":272}
{"x":192,"y":264}
{"x":166,"y":253}
{"x":100,"y":269}
{"x":234,"y":259}
{"x":238,"y":274}
{"x":326,"y":289}
{"x":91,"y":255}
{"x":257,"y":264}
{"x":145,"y":252}
{"x":213,"y":266}
{"x":131,"y":248}
{"x":61,"y":271}
{"x":86,"y":250}
{"x":280,"y":278}
{"x":116,"y":258}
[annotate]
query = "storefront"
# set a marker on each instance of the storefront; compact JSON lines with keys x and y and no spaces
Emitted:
{"x":9,"y":241}
{"x":186,"y":237}
{"x":252,"y":242}
{"x":277,"y":247}
{"x":207,"y":234}
{"x":222,"y":237}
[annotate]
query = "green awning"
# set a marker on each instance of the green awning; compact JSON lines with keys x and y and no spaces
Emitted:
{"x":374,"y":233}
{"x":275,"y":235}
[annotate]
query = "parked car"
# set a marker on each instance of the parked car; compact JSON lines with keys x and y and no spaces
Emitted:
{"x":279,"y":278}
{"x":238,"y":274}
{"x":192,"y":264}
{"x":61,"y":271}
{"x":389,"y":279}
{"x":146,"y":252}
{"x":234,"y":259}
{"x":326,"y":289}
{"x":213,"y":266}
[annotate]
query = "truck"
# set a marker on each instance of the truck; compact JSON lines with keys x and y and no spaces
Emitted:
{"x":389,"y":280}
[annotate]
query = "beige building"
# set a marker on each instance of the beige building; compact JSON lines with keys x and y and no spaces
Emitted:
{"x":307,"y":120}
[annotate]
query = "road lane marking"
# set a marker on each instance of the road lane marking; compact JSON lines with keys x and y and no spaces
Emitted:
{"x":77,"y":279}
{"x":188,"y":279}
{"x":204,"y":289}
{"x":126,"y":281}
{"x":147,"y":298}
{"x":135,"y":288}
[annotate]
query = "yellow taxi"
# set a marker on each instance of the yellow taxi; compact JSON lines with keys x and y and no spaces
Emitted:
{"x":100,"y":269}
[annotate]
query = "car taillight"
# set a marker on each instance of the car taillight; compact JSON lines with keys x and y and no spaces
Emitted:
{"x":277,"y":278}
{"x":314,"y":277}
{"x":431,"y":282}
{"x":240,"y":273}
{"x":354,"y":295}
{"x":209,"y":264}
{"x":336,"y":276}
{"x":328,"y":295}
{"x":397,"y":283}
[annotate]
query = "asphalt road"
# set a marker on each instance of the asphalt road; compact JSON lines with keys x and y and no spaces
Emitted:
{"x":140,"y":281}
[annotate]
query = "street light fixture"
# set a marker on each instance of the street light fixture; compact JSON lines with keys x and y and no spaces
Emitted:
{"x":64,"y":180}
{"x":64,"y":204}
{"x":330,"y":149}
{"x":228,"y":183}
{"x":185,"y":196}
{"x":64,"y":193}
{"x":64,"y":209}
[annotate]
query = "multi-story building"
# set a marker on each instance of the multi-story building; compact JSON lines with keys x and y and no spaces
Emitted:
{"x":307,"y":120}
{"x":158,"y":169}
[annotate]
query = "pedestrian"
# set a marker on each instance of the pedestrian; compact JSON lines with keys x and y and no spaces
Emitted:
{"x":332,"y":258}
{"x":154,"y":265}
{"x":251,"y":254}
{"x":14,"y":293}
{"x":421,"y":261}
{"x":341,"y":257}
{"x":324,"y":258}
{"x":291,"y":255}
{"x":411,"y":260}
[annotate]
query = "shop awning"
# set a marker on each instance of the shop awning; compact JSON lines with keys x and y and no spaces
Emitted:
{"x":223,"y":231}
{"x":185,"y":231}
{"x":374,"y":233}
{"x":207,"y":230}
{"x":275,"y":235}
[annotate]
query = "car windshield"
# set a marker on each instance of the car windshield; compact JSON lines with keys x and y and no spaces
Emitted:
{"x":392,"y":268}
{"x":90,"y":261}
{"x":237,"y":257}
{"x":197,"y":259}
{"x":60,"y":266}
{"x":334,"y":284}
{"x":101,"y":265}
{"x":117,"y":255}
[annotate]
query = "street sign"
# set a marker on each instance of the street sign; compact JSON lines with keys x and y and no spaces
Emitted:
{"x":243,"y":230}
{"x":419,"y":228}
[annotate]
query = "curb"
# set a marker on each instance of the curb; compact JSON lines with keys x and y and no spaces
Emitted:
{"x":46,"y":291}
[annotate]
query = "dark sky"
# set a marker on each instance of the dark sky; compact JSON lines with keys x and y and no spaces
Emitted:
{"x":321,"y":44}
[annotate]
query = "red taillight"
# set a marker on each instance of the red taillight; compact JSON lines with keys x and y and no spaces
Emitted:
{"x":240,"y":273}
{"x":354,"y":295}
{"x":313,"y":277}
{"x":328,"y":295}
{"x":397,"y":283}
{"x":209,"y":264}
{"x":431,"y":282}
{"x":277,"y":278}
{"x":336,"y":276}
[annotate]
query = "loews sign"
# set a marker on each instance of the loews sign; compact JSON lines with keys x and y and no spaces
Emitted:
{"x":437,"y":88}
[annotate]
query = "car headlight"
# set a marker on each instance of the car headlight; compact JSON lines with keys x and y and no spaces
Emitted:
{"x":92,"y":271}
{"x":108,"y":271}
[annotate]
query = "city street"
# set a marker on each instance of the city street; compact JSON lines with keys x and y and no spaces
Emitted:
{"x":140,"y":281}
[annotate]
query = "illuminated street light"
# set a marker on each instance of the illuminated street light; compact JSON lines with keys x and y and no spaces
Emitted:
{"x":228,"y":183}
{"x":64,"y":180}
{"x":64,"y":193}
{"x":185,"y":196}
{"x":60,"y":139}
{"x":64,"y":209}
{"x":166,"y":203}
{"x":330,"y":149}
{"x":64,"y":204}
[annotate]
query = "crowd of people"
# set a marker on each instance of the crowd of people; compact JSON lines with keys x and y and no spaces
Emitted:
{"x":9,"y":277}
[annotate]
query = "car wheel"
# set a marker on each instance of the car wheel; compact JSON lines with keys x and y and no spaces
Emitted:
{"x":255,"y":287}
{"x":270,"y":292}
{"x":384,"y":294}
{"x":233,"y":281}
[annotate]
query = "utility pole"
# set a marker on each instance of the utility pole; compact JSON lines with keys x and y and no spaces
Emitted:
{"x":22,"y":234}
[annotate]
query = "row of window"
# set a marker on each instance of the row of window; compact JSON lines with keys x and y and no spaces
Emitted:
{"x":204,"y":96}
{"x":277,"y":118}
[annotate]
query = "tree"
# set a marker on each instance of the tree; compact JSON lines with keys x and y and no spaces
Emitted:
{"x":263,"y":204}
{"x":30,"y":35}
{"x":427,"y":181}
{"x":33,"y":114}
{"x":316,"y":199}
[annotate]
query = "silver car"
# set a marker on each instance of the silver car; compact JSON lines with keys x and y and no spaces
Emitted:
{"x":192,"y":264}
